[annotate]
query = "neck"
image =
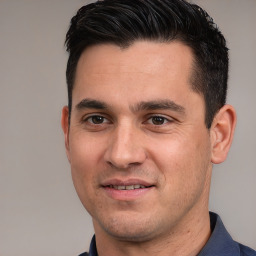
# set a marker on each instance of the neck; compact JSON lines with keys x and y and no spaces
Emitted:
{"x":186,"y":240}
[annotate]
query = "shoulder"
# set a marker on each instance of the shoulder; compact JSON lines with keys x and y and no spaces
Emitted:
{"x":246,"y":251}
{"x":84,"y":254}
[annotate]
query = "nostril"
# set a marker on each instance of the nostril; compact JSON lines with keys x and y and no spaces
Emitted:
{"x":122,"y":165}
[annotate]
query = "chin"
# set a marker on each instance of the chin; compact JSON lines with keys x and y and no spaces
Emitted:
{"x":130,"y":229}
{"x":129,"y":235}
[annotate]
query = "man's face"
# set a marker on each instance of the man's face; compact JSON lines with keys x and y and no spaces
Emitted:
{"x":139,"y":150}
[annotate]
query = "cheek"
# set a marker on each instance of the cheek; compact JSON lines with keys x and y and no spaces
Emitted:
{"x":183,"y":163}
{"x":85,"y":151}
{"x":84,"y":159}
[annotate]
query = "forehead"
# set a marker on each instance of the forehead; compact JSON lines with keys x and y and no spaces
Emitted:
{"x":141,"y":56}
{"x":148,"y":69}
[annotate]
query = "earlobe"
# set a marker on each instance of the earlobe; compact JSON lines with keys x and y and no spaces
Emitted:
{"x":222,"y":132}
{"x":65,"y":127}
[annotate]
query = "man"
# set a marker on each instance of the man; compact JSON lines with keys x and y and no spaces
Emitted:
{"x":146,"y":120}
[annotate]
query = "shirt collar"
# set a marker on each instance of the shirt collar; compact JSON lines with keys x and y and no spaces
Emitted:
{"x":93,"y":249}
{"x":220,"y":242}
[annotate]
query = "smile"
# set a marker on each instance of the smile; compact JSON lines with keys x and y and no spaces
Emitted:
{"x":128,"y":187}
{"x":127,"y":190}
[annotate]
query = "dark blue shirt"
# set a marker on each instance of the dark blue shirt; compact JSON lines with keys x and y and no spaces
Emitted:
{"x":219,"y":244}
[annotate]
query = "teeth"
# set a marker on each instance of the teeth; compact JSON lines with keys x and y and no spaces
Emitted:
{"x":129,"y":187}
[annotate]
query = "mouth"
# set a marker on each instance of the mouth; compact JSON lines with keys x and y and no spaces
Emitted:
{"x":127,"y":190}
{"x":127,"y":187}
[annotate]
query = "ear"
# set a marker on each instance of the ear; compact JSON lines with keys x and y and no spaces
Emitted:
{"x":222,"y":132}
{"x":65,"y":128}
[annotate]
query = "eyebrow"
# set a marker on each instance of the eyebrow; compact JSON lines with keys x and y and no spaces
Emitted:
{"x":141,"y":106}
{"x":90,"y":103}
{"x":159,"y":104}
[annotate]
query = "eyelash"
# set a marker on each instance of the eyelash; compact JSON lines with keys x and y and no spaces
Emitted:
{"x":86,"y":120}
{"x":165,"y":119}
{"x":106,"y":120}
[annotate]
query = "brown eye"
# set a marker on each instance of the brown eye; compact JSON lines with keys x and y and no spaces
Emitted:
{"x":158,"y":120}
{"x":96,"y":119}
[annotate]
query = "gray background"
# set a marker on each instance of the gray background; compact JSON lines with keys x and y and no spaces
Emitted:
{"x":40,"y":213}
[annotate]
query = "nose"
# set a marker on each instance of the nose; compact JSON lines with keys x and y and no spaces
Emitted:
{"x":125,"y":148}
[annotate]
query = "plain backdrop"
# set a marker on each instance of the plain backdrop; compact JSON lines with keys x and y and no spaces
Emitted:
{"x":40,"y":213}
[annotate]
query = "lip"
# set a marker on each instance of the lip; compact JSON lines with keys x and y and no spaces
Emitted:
{"x":126,"y":195}
{"x":119,"y":182}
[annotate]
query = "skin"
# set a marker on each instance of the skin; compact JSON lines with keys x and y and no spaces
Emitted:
{"x":135,"y":119}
